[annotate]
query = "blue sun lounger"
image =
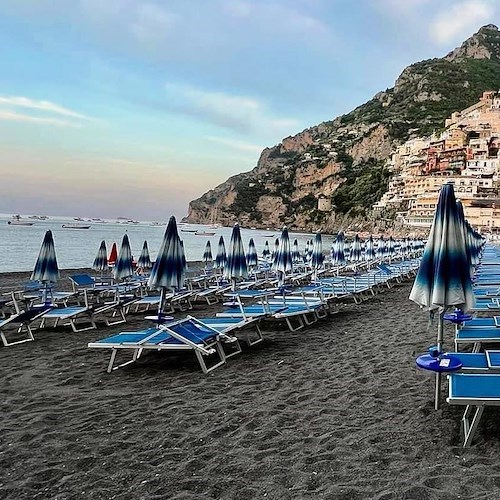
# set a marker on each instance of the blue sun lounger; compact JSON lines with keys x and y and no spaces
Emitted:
{"x":22,"y":321}
{"x":476,"y":391}
{"x":477,"y":336}
{"x":186,"y":334}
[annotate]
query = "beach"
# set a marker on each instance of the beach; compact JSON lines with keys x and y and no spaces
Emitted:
{"x":335,"y":411}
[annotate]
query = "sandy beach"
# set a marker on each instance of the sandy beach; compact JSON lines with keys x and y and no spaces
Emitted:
{"x":336,"y":411}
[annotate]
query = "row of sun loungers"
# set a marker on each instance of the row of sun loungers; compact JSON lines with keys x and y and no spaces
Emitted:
{"x":477,"y":383}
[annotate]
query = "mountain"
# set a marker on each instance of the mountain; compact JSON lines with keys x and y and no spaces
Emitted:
{"x":329,"y":175}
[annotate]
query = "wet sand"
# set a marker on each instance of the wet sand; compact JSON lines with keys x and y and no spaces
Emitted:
{"x":336,"y":411}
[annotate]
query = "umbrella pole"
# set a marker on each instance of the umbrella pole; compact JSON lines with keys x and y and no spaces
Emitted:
{"x":437,"y":391}
{"x":160,"y":304}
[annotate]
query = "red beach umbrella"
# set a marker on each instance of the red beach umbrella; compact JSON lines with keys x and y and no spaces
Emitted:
{"x":113,"y":255}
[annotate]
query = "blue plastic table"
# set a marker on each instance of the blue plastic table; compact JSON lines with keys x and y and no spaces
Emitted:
{"x":444,"y":363}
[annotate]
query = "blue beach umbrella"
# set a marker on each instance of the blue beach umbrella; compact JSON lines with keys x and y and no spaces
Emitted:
{"x":252,"y":257}
{"x":46,"y":270}
{"x":101,"y":259}
{"x":296,"y":258}
{"x":144,"y":263}
{"x":443,"y":279}
{"x":339,"y":255}
{"x":283,"y":260}
{"x":221,"y":257}
{"x":274,"y":253}
{"x":380,"y":248}
{"x":317,"y":257}
{"x":370,"y":249}
{"x":391,"y":247}
{"x":355,"y":255}
{"x":236,"y":266}
{"x":123,"y":268}
{"x":169,"y":269}
{"x":266,"y":252}
{"x":207,"y":257}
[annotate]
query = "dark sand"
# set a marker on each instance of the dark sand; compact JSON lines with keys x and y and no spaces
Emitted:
{"x":337,"y":411}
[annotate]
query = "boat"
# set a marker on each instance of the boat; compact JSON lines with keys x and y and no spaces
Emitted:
{"x":18,"y":221}
{"x":203,"y":233}
{"x":75,"y":226}
{"x":189,"y":230}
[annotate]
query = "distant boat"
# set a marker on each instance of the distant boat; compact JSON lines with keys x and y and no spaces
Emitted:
{"x":203,"y":233}
{"x":189,"y":230}
{"x":18,"y":221}
{"x":75,"y":226}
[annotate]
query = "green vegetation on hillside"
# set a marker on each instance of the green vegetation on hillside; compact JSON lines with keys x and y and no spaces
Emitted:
{"x":365,"y":184}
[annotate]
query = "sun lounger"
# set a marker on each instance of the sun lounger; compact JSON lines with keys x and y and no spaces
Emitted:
{"x":477,"y":336}
{"x":72,"y":316}
{"x":475,"y":391}
{"x":22,"y":321}
{"x":187,"y":334}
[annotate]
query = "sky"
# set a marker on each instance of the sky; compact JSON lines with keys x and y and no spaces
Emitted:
{"x":133,"y":108}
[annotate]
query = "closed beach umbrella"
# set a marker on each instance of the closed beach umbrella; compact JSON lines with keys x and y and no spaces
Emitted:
{"x":101,"y":259}
{"x":463,"y":225}
{"x":46,"y":270}
{"x":221,"y":257}
{"x":296,"y":258}
{"x":283,"y":261}
{"x":339,"y":254}
{"x":355,"y":255}
{"x":169,"y":269}
{"x":123,"y":268}
{"x":207,"y":256}
{"x":275,"y":249}
{"x":236,"y":266}
{"x":370,"y":249}
{"x":380,"y":248}
{"x":266,"y":252}
{"x":113,"y":255}
{"x":144,"y":261}
{"x":306,"y":251}
{"x":317,"y":254}
{"x":252,"y":257}
{"x":443,"y":278}
{"x":391,"y":247}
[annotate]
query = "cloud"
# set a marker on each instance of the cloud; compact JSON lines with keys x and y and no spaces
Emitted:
{"x":46,"y":106}
{"x":237,"y":145}
{"x":19,"y":117}
{"x":460,"y":20}
{"x":234,"y":112}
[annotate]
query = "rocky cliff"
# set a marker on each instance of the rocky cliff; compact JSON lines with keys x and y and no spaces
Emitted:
{"x":330,"y":174}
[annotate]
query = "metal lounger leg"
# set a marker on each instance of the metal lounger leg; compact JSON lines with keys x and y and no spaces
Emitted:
{"x":260,"y":338}
{"x":470,"y":427}
{"x":290,"y":325}
{"x":135,"y":357}
{"x":236,"y":350}
{"x":203,"y":365}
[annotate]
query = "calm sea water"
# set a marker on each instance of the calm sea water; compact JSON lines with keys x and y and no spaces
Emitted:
{"x":19,"y":245}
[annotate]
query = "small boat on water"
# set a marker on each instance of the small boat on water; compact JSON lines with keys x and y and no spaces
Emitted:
{"x":189,"y":230}
{"x":17,"y":220}
{"x":203,"y":233}
{"x":75,"y":226}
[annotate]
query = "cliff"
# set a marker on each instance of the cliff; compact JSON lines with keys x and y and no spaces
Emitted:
{"x":330,"y":174}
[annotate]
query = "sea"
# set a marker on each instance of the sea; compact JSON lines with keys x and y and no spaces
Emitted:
{"x":77,"y":248}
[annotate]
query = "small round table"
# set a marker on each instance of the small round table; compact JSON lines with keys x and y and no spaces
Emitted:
{"x":457,"y":317}
{"x":443,"y":363}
